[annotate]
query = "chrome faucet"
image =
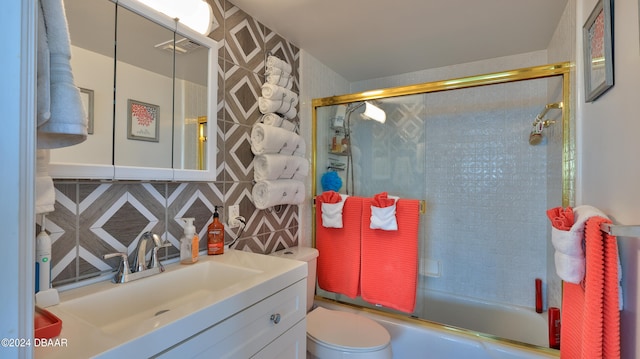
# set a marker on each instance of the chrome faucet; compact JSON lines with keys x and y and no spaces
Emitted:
{"x":140,"y":268}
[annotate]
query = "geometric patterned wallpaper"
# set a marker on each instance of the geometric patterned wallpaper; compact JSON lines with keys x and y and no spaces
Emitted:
{"x":92,"y":218}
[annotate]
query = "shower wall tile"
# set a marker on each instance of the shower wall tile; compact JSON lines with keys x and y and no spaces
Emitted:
{"x":92,"y":218}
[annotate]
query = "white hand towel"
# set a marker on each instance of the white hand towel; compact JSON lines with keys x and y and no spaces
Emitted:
{"x":68,"y":123}
{"x":273,"y":61}
{"x":332,"y":213}
{"x":582,"y":214}
{"x":273,"y":119}
{"x":45,"y":191}
{"x":269,"y":139}
{"x":569,"y":255}
{"x":267,"y":194}
{"x":275,"y":166}
{"x":567,"y":242}
{"x":569,"y":268}
{"x":44,"y":81}
{"x":286,"y":109}
{"x":384,"y":217}
{"x":569,"y":245}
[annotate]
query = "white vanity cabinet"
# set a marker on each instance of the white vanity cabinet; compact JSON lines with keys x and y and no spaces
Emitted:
{"x":274,"y":327}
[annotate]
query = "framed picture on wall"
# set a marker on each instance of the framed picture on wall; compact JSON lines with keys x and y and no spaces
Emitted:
{"x":598,"y":51}
{"x":143,"y":122}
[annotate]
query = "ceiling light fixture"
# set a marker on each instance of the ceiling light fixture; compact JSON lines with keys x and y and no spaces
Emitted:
{"x":196,"y":14}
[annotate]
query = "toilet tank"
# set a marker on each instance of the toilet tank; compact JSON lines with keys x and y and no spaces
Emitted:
{"x":305,"y":254}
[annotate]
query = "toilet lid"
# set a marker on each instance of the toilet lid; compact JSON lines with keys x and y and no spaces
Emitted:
{"x":346,"y":330}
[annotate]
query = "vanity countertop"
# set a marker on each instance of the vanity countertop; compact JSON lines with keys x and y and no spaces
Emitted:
{"x":144,"y":317}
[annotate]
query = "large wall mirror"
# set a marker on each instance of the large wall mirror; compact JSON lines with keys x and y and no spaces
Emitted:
{"x":149,"y":85}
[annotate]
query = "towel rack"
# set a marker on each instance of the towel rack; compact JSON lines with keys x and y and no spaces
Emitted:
{"x":620,"y":230}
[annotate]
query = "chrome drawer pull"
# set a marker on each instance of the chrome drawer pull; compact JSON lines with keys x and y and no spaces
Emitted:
{"x":275,"y":318}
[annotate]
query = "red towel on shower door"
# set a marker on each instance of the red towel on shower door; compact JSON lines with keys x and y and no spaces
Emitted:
{"x":590,"y":311}
{"x":339,"y":250}
{"x":389,"y":269}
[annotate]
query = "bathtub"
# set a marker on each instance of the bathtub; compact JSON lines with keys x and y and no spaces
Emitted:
{"x":414,"y":338}
{"x":500,"y":320}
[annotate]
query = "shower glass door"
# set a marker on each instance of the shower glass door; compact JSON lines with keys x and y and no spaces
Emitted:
{"x":465,"y":152}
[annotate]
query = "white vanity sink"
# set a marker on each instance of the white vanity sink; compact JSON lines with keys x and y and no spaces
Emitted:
{"x":147,"y":316}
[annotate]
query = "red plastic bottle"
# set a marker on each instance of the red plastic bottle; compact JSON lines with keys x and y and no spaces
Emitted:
{"x":215,"y":235}
{"x":554,"y":328}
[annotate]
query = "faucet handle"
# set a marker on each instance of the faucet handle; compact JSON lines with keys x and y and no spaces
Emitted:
{"x":123,"y":271}
{"x":155,"y":262}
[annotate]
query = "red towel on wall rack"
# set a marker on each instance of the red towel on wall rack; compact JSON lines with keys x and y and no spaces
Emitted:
{"x":339,"y":259}
{"x":389,"y":269}
{"x":590,"y":311}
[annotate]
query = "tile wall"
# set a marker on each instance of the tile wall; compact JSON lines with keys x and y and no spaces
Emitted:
{"x":92,"y":218}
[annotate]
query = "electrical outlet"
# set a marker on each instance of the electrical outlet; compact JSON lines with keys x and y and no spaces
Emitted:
{"x":234,"y":212}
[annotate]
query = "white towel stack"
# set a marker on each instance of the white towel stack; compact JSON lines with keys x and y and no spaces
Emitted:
{"x":279,"y":167}
{"x":277,"y":96}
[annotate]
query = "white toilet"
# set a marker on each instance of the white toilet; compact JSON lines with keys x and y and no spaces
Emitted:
{"x":333,"y":334}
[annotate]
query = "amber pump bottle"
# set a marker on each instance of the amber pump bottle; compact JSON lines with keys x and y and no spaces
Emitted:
{"x":215,"y":235}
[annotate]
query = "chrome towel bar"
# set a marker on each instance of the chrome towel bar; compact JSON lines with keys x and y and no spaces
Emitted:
{"x":620,"y":230}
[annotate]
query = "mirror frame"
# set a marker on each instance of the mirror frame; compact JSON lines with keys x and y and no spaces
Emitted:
{"x":115,"y":172}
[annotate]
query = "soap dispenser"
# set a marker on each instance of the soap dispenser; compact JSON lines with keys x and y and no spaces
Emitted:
{"x":215,"y":235}
{"x":189,"y":243}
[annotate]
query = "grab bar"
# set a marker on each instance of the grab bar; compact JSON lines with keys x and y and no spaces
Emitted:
{"x":620,"y":230}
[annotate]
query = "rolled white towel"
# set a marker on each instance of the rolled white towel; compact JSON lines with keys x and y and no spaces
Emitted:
{"x":273,"y":61}
{"x":269,"y":139}
{"x":273,"y":119}
{"x":280,"y":80}
{"x":286,"y":109}
{"x":276,"y":93}
{"x":275,"y":166}
{"x":272,"y":70}
{"x":267,"y":194}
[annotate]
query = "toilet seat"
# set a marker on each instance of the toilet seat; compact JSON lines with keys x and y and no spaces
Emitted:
{"x":348,"y":332}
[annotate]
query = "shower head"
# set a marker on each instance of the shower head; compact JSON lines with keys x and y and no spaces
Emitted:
{"x":535,"y":138}
{"x":539,"y":124}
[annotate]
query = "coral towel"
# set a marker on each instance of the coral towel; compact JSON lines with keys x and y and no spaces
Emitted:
{"x":561,"y":218}
{"x":339,"y":258}
{"x":390,"y":258}
{"x":590,"y":311}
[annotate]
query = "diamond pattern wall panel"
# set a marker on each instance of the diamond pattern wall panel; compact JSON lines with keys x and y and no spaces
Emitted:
{"x":93,"y":218}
